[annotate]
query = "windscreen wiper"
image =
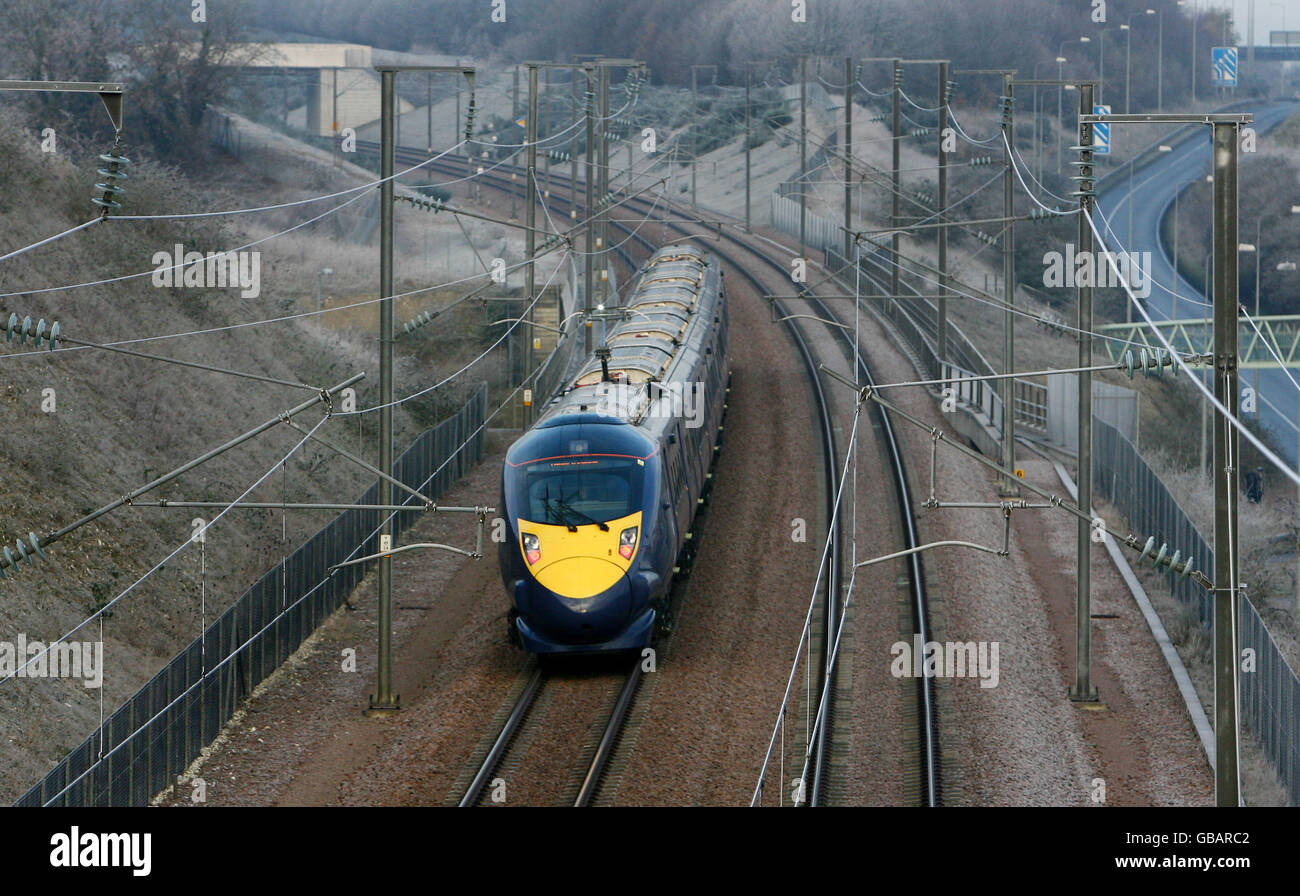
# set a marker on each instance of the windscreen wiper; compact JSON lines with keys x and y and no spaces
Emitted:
{"x":566,"y":506}
{"x":557,"y":511}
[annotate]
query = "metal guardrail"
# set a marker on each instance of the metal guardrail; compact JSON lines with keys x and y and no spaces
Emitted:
{"x":158,"y":732}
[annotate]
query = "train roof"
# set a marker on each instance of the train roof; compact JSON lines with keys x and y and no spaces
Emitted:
{"x":675,"y":289}
{"x":659,"y":312}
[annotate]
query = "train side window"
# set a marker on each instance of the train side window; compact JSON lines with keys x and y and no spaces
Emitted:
{"x":683,"y":473}
{"x":674,"y":474}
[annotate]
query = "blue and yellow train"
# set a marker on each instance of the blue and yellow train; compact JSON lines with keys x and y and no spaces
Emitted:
{"x":600,"y":495}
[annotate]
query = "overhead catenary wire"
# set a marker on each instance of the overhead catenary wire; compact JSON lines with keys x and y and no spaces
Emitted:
{"x":101,"y":611}
{"x":193,"y":365}
{"x":294,"y":203}
{"x":287,"y":317}
{"x":154,"y":271}
{"x":1228,"y":414}
{"x":914,"y":104}
{"x":275,"y":620}
{"x":249,"y":245}
{"x":954,"y":287}
{"x":961,"y":132}
{"x":468,"y":364}
{"x":1011,"y":156}
{"x":51,"y":239}
{"x":1135,"y":264}
{"x":843,"y":478}
{"x":1241,"y":309}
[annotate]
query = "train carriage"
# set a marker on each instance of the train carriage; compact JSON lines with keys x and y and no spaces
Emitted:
{"x":600,"y":495}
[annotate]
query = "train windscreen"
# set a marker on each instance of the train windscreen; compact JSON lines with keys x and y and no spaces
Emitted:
{"x":580,"y":490}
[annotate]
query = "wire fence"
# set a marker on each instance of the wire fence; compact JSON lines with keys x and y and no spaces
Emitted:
{"x":158,"y":732}
{"x":1270,"y":694}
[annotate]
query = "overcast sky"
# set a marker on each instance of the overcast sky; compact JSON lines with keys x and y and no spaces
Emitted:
{"x":1270,"y":15}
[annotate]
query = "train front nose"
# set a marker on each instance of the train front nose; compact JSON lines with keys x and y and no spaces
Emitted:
{"x":560,"y":605}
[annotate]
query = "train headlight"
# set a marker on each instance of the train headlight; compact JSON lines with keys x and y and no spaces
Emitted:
{"x":627,"y":543}
{"x":532,"y":548}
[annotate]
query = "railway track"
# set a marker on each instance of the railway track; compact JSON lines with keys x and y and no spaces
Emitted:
{"x":508,"y":742}
{"x":927,"y":771}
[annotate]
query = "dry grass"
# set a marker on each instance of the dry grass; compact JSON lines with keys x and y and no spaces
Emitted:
{"x":121,"y":421}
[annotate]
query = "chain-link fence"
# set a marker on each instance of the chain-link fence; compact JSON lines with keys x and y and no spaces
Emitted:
{"x":158,"y":732}
{"x":1270,"y":699}
{"x":1270,"y":694}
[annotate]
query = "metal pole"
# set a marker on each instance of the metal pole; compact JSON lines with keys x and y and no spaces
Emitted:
{"x":848,"y":157}
{"x":943,"y":204}
{"x":803,"y":156}
{"x":1160,"y":62}
{"x":1205,"y":426}
{"x":1083,"y":690}
{"x":428,"y":111}
{"x":748,"y":136}
{"x":1173,"y":311}
{"x":1195,"y":25}
{"x":547,"y":128}
{"x":573,"y":156}
{"x":695,"y":129}
{"x":602,"y":140}
{"x":588,"y":71}
{"x":896,"y":213}
{"x":1101,"y":67}
{"x":1250,"y":38}
{"x":1060,"y":110}
{"x":1128,"y":306}
{"x":384,"y":701}
{"x":1008,"y":487}
{"x":530,"y":234}
{"x":1259,"y":253}
{"x":1226,"y":465}
{"x":1038,"y":144}
{"x":1128,"y":66}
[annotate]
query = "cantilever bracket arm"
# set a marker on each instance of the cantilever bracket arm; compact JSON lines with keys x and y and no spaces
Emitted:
{"x":408,"y":547}
{"x":110,"y":92}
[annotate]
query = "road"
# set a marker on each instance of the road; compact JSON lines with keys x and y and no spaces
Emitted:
{"x":1154,"y":187}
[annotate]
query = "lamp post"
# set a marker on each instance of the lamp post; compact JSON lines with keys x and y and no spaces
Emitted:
{"x":1196,"y":24}
{"x":1060,"y":76}
{"x":1127,"y":28}
{"x":1060,"y":108}
{"x":1038,"y":135}
{"x":1160,"y":56}
{"x":1101,"y":62}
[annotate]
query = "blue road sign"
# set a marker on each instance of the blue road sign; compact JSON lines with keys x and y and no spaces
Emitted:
{"x":1223,"y":64}
{"x":1101,"y":132}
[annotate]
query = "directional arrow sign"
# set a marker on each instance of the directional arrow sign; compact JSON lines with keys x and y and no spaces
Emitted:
{"x":1223,"y":63}
{"x":1101,"y":132}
